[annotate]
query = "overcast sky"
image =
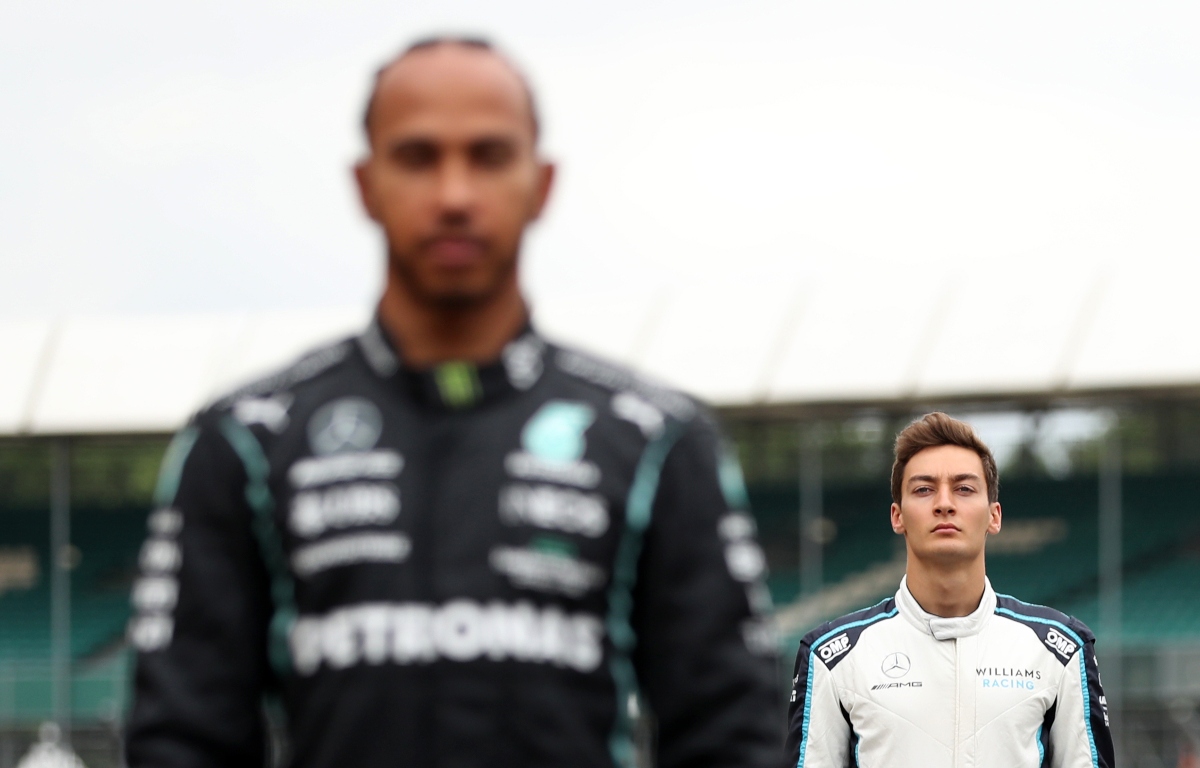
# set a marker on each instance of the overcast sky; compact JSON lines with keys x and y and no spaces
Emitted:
{"x":193,"y":156}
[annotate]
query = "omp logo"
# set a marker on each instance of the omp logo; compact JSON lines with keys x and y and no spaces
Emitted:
{"x":834,"y":648}
{"x":1064,"y":646}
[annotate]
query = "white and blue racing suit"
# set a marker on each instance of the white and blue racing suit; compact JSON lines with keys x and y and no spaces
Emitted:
{"x":1012,"y":684}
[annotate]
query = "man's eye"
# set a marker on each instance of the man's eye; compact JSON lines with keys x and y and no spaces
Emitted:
{"x":415,"y":155}
{"x":492,"y":154}
{"x":966,"y":489}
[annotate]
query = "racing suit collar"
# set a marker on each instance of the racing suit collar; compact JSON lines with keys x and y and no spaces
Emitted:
{"x":941,"y":628}
{"x":457,"y":385}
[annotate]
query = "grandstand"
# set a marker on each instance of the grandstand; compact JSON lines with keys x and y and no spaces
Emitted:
{"x":112,"y":390}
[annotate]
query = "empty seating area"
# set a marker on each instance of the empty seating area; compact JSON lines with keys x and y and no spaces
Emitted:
{"x":106,"y":545}
{"x":1046,"y":553}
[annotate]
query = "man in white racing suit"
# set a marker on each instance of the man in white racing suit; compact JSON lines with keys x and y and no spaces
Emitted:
{"x":947,"y":672}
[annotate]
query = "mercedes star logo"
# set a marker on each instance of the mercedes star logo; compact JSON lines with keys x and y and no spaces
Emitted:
{"x":896,"y":665}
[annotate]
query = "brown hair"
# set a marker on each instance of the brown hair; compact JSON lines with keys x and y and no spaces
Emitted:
{"x":932,"y":430}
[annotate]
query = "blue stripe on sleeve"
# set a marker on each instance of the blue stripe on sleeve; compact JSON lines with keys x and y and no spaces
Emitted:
{"x":1087,"y":699}
{"x":812,"y":657}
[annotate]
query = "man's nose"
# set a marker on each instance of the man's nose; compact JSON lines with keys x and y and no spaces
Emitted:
{"x":944,"y":502}
{"x":456,"y":190}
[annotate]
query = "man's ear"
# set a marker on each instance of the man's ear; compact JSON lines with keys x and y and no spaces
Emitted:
{"x":546,"y":172}
{"x":362,"y":180}
{"x":897,"y":521}
{"x":994,"y":523}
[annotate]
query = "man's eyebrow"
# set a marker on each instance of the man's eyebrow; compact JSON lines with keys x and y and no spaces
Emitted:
{"x":931,"y":479}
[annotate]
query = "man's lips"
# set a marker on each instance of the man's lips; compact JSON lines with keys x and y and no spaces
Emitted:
{"x":945,"y":527}
{"x":454,"y":252}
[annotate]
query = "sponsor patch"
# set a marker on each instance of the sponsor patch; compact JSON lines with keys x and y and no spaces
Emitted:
{"x":271,"y":412}
{"x":342,"y":506}
{"x":160,"y":556}
{"x":831,"y":649}
{"x":1062,"y":645}
{"x":526,"y":466}
{"x":346,"y":424}
{"x":368,"y":465}
{"x":562,"y":509}
{"x":347,"y":550}
{"x":896,"y":665}
{"x":459,"y":631}
{"x":155,"y":594}
{"x":545,"y":571}
{"x":523,"y":362}
{"x":743,"y":556}
{"x":634,"y":409}
{"x":556,"y":432}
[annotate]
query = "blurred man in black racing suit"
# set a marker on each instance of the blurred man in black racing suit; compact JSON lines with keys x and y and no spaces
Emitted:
{"x":447,"y":541}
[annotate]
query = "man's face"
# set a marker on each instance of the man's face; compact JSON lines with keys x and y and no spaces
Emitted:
{"x":452,"y":176}
{"x":944,"y":513}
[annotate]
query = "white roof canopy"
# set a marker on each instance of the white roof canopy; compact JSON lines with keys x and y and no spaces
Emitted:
{"x":870,"y":338}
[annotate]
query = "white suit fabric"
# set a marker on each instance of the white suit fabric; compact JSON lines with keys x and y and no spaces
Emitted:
{"x":1010,"y":685}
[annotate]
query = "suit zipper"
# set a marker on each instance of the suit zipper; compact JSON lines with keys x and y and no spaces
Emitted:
{"x":957,"y":704}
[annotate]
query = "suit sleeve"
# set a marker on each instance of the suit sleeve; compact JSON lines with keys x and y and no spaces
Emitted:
{"x":705,"y":654}
{"x":818,"y":731}
{"x":1080,"y":735}
{"x":201,"y":609}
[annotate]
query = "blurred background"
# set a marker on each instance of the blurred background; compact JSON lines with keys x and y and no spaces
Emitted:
{"x":824,"y":218}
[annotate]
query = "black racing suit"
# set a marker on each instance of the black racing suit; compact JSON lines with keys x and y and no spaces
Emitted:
{"x":464,"y":566}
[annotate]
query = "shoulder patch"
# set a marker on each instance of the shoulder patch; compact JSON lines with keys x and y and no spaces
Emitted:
{"x":307,"y":367}
{"x":617,"y":378}
{"x":832,"y":641}
{"x":1061,"y":635}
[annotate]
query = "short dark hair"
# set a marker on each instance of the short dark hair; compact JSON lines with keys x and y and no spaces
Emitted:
{"x":932,"y":430}
{"x":476,"y":43}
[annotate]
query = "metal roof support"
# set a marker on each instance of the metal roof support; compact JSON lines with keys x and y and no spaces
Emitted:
{"x":811,"y":508}
{"x":1111,"y":576}
{"x":60,"y":586}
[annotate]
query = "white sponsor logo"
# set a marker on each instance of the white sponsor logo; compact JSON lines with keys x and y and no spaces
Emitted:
{"x":165,"y":522}
{"x":834,"y":648}
{"x":1062,"y":645}
{"x":759,"y":636}
{"x":523,"y":361}
{"x":632,"y":408}
{"x":735,"y":526}
{"x":314,"y":512}
{"x":462,"y":630}
{"x":526,"y":466}
{"x":160,"y":556}
{"x":559,"y":508}
{"x":743,"y":556}
{"x":271,"y":412}
{"x":151,"y":633}
{"x":895,"y":665}
{"x":371,"y":465}
{"x":745,"y":560}
{"x":348,"y":424}
{"x":354,"y":548}
{"x":545,"y":571}
{"x":155,"y":594}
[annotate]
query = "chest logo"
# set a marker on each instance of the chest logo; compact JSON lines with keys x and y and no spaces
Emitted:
{"x":346,"y":424}
{"x":896,"y":665}
{"x":556,"y":431}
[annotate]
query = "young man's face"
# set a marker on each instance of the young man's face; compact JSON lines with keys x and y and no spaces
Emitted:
{"x":944,"y":513}
{"x":452,"y":177}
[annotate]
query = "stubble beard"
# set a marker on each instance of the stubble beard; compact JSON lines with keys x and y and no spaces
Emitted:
{"x":451,"y":299}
